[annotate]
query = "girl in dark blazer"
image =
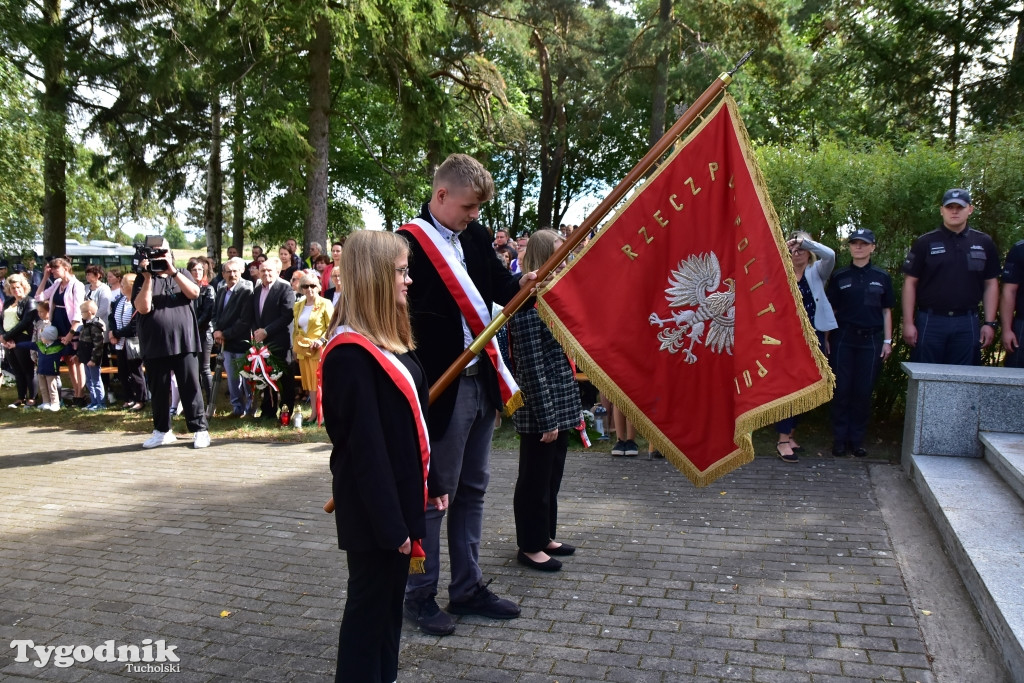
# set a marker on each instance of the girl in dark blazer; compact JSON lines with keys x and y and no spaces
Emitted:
{"x":373,"y":401}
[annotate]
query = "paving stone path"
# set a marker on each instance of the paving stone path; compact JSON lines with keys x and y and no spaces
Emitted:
{"x":774,"y":573}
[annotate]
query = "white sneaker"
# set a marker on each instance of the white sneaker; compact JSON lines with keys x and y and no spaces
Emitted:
{"x":54,"y":407}
{"x":44,"y":406}
{"x":159,"y":439}
{"x":202,"y":439}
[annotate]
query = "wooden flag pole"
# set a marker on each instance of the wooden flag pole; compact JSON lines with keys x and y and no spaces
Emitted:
{"x":572,"y":241}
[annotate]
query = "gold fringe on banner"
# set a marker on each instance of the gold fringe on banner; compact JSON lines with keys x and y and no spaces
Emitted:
{"x":799,"y":402}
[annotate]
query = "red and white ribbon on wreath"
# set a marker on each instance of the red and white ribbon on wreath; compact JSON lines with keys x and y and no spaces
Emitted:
{"x":582,"y":429}
{"x":259,"y":362}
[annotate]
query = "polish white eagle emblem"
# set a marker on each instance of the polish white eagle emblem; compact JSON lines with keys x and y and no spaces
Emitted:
{"x":696,"y":282}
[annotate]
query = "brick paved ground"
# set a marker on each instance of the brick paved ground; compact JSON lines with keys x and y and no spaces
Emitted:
{"x":775,"y":573}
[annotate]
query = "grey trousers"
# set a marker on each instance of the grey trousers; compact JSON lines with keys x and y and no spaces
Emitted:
{"x":463,"y":454}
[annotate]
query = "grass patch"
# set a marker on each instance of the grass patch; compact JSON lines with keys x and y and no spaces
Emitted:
{"x":814,"y":432}
{"x":117,"y":420}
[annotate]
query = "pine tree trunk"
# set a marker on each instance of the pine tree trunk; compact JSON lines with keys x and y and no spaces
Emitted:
{"x":956,"y":79}
{"x":213,"y":214}
{"x":517,"y":199}
{"x":54,"y":107}
{"x":1015,"y":71}
{"x":552,"y":125}
{"x":319,"y":104}
{"x":659,"y":98}
{"x":238,"y":181}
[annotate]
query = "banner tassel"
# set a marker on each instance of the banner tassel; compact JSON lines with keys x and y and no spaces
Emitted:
{"x":417,"y":563}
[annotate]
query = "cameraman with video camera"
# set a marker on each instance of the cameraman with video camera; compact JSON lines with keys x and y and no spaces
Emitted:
{"x":169,"y":340}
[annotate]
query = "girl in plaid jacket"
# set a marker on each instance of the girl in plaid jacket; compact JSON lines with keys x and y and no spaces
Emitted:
{"x":551,"y":410}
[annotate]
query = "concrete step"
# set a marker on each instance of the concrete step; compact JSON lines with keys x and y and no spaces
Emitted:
{"x":1005,"y":454}
{"x":981,"y":520}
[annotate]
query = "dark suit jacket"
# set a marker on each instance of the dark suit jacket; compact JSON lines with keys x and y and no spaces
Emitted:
{"x":437,"y":320}
{"x":278,"y":312}
{"x":234,"y":320}
{"x":378,"y":473}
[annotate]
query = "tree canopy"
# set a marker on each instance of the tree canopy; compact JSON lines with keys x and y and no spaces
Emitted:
{"x":273,"y":119}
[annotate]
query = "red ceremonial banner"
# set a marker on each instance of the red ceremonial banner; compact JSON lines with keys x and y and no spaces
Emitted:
{"x":684,"y":309}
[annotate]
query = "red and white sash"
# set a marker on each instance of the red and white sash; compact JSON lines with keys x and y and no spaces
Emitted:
{"x":400,"y":375}
{"x":476,"y":312}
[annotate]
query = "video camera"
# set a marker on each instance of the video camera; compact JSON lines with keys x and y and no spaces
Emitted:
{"x":153,"y":251}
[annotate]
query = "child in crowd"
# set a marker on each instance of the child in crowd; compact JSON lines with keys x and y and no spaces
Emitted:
{"x":91,"y":342}
{"x":48,"y":349}
{"x":42,"y":319}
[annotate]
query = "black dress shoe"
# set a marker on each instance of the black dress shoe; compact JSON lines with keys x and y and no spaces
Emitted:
{"x":483,"y":603}
{"x":428,"y":616}
{"x":564,"y":549}
{"x":859,"y":452}
{"x":551,"y":565}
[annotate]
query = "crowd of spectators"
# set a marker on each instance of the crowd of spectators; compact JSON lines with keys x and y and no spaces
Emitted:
{"x":92,"y":328}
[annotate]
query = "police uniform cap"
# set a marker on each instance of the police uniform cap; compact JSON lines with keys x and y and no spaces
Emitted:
{"x":956,"y":196}
{"x":863,"y":234}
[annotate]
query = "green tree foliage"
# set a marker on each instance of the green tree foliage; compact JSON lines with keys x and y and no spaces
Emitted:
{"x":286,"y":213}
{"x":174,"y":234}
{"x":101,"y":206}
{"x":555,"y":132}
{"x":71,"y":49}
{"x":905,"y":67}
{"x":694,"y":42}
{"x":21,"y":153}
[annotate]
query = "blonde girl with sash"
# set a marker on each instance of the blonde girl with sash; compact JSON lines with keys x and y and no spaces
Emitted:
{"x":373,"y":400}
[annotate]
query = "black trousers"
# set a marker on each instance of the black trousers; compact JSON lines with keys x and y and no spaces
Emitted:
{"x":536,"y":498}
{"x":205,"y":372}
{"x":129,"y":374}
{"x":372,"y":624}
{"x":23,"y":369}
{"x":856,"y":362}
{"x":185,"y":367}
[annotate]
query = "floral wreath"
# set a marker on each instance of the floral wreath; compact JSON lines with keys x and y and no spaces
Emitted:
{"x":260,"y":368}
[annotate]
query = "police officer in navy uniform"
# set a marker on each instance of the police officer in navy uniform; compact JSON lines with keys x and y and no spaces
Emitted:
{"x":1011,"y":306}
{"x":862,"y":297}
{"x":948,"y":271}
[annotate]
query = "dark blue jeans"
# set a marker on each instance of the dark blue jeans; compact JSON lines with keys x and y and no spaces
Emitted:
{"x":952,"y":340}
{"x":856,"y":362}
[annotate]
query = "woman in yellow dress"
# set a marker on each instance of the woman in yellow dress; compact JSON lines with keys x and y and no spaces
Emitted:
{"x":312,"y":317}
